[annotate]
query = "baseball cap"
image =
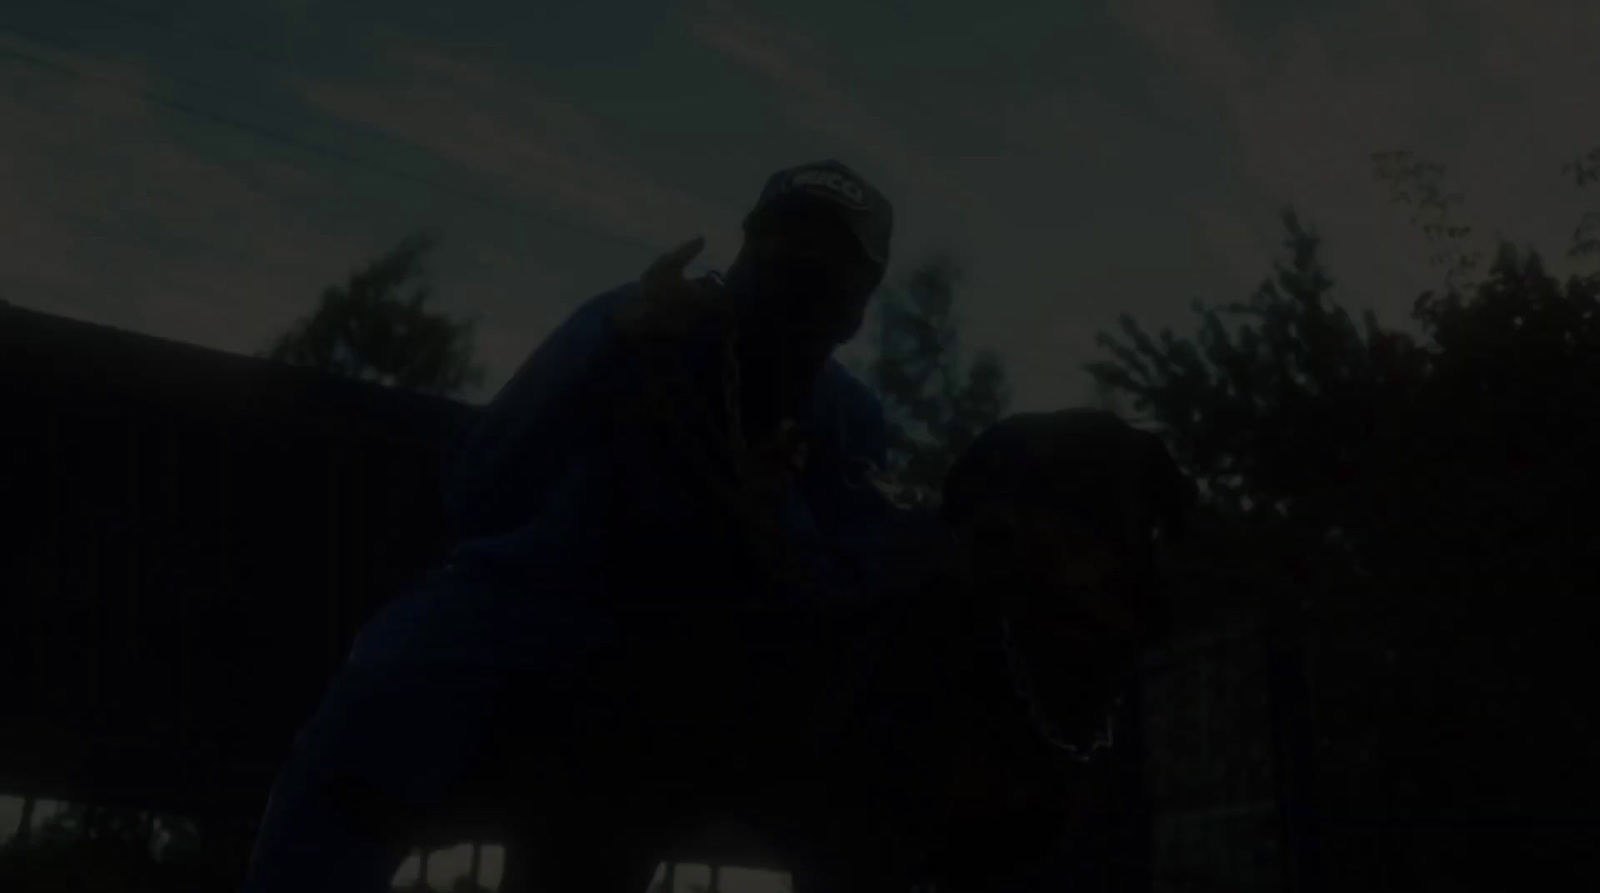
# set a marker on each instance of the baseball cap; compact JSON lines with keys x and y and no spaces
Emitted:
{"x":833,"y":187}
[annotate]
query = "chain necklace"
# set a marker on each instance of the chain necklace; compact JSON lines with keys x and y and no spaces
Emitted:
{"x":1022,"y":685}
{"x":751,"y":496}
{"x":714,"y":450}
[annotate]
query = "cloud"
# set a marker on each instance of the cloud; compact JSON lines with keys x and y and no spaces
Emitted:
{"x":505,"y":129}
{"x":178,"y":227}
{"x":1189,"y":36}
{"x":936,"y":206}
{"x":113,"y":220}
{"x":1488,"y":89}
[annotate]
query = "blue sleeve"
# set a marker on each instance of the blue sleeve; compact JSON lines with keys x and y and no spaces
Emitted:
{"x":498,"y":468}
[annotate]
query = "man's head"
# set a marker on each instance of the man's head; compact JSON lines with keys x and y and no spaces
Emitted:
{"x":1062,"y":515}
{"x":816,"y":247}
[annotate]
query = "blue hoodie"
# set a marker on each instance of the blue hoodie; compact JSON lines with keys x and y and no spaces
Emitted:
{"x":529,"y":489}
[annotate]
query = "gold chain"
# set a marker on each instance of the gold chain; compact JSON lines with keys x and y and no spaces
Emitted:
{"x":758,"y":497}
{"x":1022,"y":685}
{"x":730,"y":469}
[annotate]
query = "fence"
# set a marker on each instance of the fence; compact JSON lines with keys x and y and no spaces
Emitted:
{"x":1226,"y":725}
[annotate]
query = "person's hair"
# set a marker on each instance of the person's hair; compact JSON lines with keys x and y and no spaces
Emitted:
{"x":1086,"y":465}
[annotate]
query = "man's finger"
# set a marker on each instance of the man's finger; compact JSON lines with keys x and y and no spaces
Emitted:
{"x":674,"y":261}
{"x":668,"y":303}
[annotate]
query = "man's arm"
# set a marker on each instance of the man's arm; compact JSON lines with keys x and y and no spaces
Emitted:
{"x":497,"y":471}
{"x":498,"y":468}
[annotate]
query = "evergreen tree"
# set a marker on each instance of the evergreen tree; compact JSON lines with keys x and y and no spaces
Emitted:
{"x":370,"y":329}
{"x":935,"y":400}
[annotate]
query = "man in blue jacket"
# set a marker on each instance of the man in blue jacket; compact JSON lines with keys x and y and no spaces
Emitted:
{"x":676,"y":460}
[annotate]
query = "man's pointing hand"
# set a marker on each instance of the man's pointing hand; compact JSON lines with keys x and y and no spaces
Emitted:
{"x":668,"y":304}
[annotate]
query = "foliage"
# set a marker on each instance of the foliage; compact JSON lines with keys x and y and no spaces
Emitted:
{"x":1295,"y":416}
{"x":136,"y":851}
{"x":368,"y":329}
{"x":99,"y":848}
{"x":1271,"y":400}
{"x":1585,"y":171}
{"x":935,"y":403}
{"x":1454,"y":473}
{"x":1419,"y":184}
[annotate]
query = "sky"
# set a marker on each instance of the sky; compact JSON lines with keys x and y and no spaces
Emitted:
{"x":201,"y":171}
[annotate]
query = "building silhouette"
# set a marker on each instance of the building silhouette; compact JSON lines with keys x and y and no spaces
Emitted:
{"x":190,"y":540}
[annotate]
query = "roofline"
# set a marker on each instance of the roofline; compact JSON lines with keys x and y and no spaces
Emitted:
{"x":66,"y":354}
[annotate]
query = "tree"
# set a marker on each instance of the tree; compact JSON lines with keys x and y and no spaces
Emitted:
{"x":89,"y":848}
{"x":1419,"y":184}
{"x":1584,"y":171}
{"x":1297,"y":418}
{"x":1272,"y":402}
{"x":1440,"y":493}
{"x":936,"y":403}
{"x":368,"y":329}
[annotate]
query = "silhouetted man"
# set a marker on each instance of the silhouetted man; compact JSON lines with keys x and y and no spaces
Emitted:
{"x":674,"y":459}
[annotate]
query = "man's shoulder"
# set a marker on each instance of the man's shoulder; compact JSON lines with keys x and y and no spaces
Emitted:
{"x":844,"y":391}
{"x":608,"y":300}
{"x":670,"y":312}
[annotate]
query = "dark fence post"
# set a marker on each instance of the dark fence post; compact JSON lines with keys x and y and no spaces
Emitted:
{"x":1289,"y":678}
{"x":1134,"y":760}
